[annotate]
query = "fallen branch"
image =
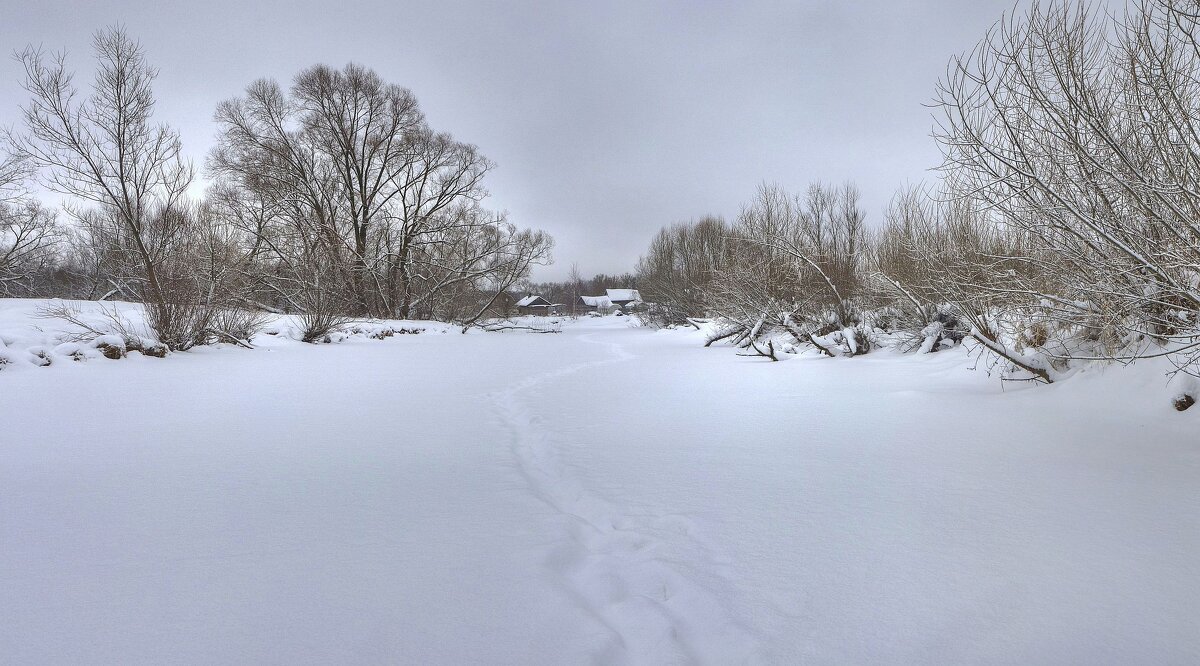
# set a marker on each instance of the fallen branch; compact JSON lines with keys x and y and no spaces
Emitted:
{"x":770,"y":353}
{"x":514,"y":327}
{"x":824,"y":350}
{"x":230,"y":338}
{"x":1002,"y":351}
{"x":721,"y":336}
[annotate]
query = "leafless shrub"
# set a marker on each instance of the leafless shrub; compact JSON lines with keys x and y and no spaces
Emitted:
{"x":795,"y":264}
{"x":1076,"y":130}
{"x":321,"y":299}
{"x":87,"y":329}
{"x":236,"y":325}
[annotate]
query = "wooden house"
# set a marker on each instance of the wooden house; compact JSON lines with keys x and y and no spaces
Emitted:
{"x":536,"y":305}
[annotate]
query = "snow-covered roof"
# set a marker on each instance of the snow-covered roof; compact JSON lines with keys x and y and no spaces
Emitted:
{"x":596,"y":301}
{"x":531,"y":300}
{"x":623,"y":295}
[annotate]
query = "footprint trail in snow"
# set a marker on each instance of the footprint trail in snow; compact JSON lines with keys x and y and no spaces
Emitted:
{"x":653,"y":585}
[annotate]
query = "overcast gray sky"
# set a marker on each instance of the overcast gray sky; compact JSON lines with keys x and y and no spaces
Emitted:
{"x":607,"y":119}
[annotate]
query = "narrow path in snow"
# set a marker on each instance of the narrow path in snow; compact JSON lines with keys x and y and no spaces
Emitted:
{"x":647,"y":579}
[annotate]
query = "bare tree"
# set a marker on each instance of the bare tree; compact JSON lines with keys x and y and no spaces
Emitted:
{"x":29,"y":237}
{"x":345,"y":165}
{"x":14,"y":172}
{"x":29,"y":234}
{"x":678,"y":269}
{"x":508,"y":257}
{"x":104,"y":149}
{"x":324,"y":160}
{"x":575,"y":279}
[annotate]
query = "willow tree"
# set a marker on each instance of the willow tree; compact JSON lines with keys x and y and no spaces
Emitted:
{"x":352,"y":172}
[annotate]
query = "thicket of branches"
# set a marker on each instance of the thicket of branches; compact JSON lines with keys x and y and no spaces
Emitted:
{"x":1066,"y":226}
{"x":789,"y":263}
{"x":331,"y":199}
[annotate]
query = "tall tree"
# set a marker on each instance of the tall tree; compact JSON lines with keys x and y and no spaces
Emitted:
{"x":104,"y":149}
{"x":350,"y":169}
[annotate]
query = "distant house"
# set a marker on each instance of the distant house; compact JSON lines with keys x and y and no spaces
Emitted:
{"x":536,"y":305}
{"x":611,"y":300}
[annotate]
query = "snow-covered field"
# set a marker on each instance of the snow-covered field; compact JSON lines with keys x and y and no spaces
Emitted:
{"x":609,"y":494}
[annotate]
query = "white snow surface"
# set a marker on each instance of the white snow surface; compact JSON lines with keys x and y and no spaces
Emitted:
{"x":452,"y":499}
